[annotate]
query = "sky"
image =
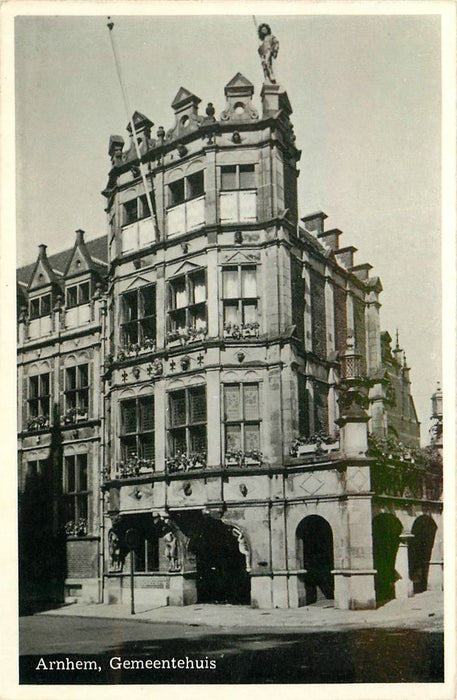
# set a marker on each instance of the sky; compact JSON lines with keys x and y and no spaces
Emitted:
{"x":366,"y":98}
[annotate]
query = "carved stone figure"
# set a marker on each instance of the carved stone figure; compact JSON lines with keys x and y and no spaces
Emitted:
{"x":268,"y":50}
{"x":242,"y":545}
{"x":115,"y":551}
{"x":171,"y":551}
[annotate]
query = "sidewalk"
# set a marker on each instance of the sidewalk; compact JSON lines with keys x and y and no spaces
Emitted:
{"x":423,"y":611}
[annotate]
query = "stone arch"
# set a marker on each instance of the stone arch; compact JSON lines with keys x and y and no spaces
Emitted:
{"x":126,"y":394}
{"x":145,"y":390}
{"x":195,"y":166}
{"x":386,"y":531}
{"x":420,"y":549}
{"x":39,"y":368}
{"x":174,"y":175}
{"x":315,"y":558}
{"x":222,"y":558}
{"x":76,"y":358}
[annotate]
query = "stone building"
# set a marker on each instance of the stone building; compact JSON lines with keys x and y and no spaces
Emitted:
{"x":207,"y":375}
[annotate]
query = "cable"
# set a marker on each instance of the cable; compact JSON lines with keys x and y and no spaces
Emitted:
{"x":110,"y":26}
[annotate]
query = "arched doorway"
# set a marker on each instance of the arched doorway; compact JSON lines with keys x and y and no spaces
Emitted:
{"x":222,"y":576}
{"x":420,"y":550}
{"x":315,"y":555}
{"x":386,"y":538}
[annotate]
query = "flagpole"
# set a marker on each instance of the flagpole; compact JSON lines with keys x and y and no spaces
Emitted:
{"x":110,"y":26}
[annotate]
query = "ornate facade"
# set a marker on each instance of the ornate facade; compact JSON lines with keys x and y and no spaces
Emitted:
{"x":207,"y":375}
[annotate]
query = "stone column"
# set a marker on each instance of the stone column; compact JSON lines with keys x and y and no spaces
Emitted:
{"x":213,"y":393}
{"x":404,"y":585}
{"x":160,"y":427}
{"x":354,"y":585}
{"x":212,"y":293}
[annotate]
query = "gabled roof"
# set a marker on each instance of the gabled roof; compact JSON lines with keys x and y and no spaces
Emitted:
{"x":80,"y":259}
{"x":139,"y":119}
{"x":183,"y":96}
{"x":239,"y":80}
{"x":97,"y":248}
{"x":43,"y":274}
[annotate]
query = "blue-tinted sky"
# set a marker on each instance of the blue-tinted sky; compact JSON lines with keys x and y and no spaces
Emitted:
{"x":366,"y":98}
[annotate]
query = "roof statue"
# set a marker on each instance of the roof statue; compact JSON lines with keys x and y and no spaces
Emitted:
{"x":268,"y":50}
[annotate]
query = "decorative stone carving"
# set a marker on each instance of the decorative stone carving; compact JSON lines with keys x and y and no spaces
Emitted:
{"x":115,"y":553}
{"x":171,"y":552}
{"x":242,"y":545}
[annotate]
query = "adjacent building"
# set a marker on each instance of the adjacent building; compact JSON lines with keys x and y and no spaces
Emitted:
{"x":199,"y":386}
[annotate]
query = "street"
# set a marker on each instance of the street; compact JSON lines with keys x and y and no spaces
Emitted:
{"x":248,"y":655}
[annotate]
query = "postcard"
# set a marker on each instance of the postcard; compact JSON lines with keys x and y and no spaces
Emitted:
{"x":234,"y":340}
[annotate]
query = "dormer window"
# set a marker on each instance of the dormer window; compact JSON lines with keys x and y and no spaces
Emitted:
{"x":78,"y":294}
{"x":40,"y":306}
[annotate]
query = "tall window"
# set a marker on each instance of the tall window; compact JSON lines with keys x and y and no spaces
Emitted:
{"x":76,"y":492}
{"x":135,"y":209}
{"x":242,"y":417}
{"x":188,"y":302}
{"x":77,"y":387}
{"x":187,"y":420}
{"x":40,"y":306}
{"x":138,"y":312}
{"x":137,"y":428}
{"x":147,"y":554}
{"x":39,"y":396}
{"x":238,"y":193}
{"x":239,"y":293}
{"x":318,"y":323}
{"x":78,"y":294}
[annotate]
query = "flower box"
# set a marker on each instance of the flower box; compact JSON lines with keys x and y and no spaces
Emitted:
{"x":306,"y":449}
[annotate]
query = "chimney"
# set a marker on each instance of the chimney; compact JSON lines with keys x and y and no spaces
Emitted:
{"x":42,"y":251}
{"x":330,"y":238}
{"x":79,"y":236}
{"x":345,"y":256}
{"x":314,"y":223}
